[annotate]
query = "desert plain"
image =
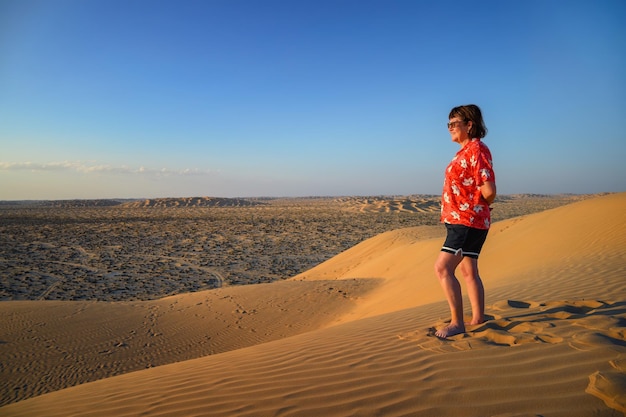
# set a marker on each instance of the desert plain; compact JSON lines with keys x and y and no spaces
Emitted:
{"x":307,"y":307}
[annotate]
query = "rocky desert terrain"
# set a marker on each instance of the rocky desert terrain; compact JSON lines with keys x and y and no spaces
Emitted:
{"x":115,"y":250}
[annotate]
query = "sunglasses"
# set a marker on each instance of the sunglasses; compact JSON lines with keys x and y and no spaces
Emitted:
{"x":452,"y":125}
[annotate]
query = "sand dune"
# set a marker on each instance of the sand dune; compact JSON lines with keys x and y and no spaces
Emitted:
{"x":506,"y":206}
{"x":53,"y":345}
{"x":431,"y":204}
{"x":192,"y":202}
{"x":352,"y":337}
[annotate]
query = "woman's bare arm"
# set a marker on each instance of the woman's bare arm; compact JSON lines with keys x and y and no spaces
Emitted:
{"x":488,"y":191}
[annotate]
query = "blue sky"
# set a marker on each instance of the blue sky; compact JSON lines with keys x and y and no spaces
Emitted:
{"x":236,"y":98}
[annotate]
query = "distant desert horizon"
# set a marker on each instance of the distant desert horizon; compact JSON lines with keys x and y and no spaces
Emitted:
{"x":105,"y":312}
{"x":225,"y":201}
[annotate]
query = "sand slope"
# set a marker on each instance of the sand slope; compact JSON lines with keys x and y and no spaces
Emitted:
{"x":51,"y":345}
{"x":555,"y":346}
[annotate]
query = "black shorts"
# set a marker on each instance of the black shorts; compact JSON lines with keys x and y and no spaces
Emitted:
{"x":464,"y":240}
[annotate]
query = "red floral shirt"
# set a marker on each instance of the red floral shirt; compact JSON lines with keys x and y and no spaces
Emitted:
{"x":461,"y":201}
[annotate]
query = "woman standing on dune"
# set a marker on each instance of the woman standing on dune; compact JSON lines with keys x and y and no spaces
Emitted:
{"x":468,"y":191}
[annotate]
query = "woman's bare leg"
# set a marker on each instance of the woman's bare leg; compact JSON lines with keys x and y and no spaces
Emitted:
{"x":475,"y":289}
{"x":444,"y":268}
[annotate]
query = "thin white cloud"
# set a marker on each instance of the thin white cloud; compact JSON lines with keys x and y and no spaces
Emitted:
{"x":86,"y":168}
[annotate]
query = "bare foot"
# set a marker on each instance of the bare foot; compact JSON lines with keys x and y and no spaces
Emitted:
{"x":450,"y":330}
{"x":479,"y":321}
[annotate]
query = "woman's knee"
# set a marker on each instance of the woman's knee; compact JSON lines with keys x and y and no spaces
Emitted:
{"x":445,"y":265}
{"x":440,"y":269}
{"x":469,"y":269}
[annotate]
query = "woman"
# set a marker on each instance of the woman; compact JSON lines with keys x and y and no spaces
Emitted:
{"x":468,"y":191}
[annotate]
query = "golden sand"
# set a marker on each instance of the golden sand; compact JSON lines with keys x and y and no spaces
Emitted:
{"x":352,"y":336}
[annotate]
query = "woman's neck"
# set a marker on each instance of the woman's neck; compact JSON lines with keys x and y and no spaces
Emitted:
{"x":465,"y":142}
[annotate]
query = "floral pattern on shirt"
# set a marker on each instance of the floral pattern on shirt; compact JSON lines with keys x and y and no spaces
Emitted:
{"x":461,"y":200}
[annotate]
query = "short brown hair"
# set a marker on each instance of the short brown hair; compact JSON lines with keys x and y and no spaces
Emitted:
{"x":471,"y":113}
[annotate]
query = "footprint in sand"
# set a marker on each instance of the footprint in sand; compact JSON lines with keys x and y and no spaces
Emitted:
{"x":600,"y":321}
{"x":610,"y":386}
{"x":512,"y":332}
{"x":572,"y":309}
{"x":593,"y":340}
{"x":522,"y":322}
{"x":427,"y":340}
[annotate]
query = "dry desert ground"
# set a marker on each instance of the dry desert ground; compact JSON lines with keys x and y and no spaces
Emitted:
{"x":133,"y":308}
{"x":139,"y":250}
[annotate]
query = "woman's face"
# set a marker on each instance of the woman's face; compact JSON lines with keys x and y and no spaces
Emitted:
{"x":458,"y":130}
